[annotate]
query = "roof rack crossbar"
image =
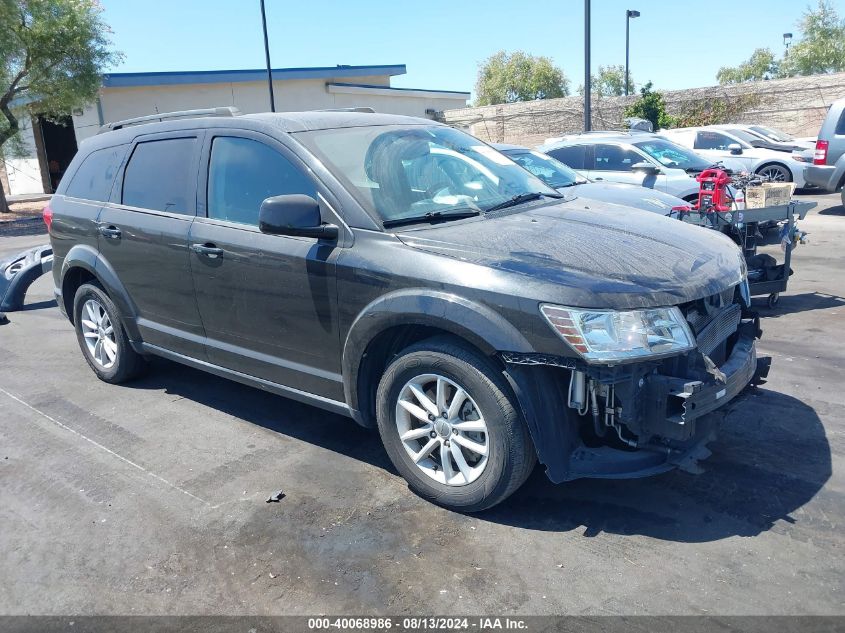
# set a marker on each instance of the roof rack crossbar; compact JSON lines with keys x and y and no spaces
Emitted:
{"x":365,"y":109}
{"x":167,"y":116}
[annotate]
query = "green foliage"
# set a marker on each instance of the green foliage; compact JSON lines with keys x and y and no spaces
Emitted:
{"x":822,"y":45}
{"x":52,"y":53}
{"x":716,"y":110}
{"x":761,"y":65}
{"x":652,"y":107}
{"x":518,"y":76}
{"x":821,"y":49}
{"x":609,"y":82}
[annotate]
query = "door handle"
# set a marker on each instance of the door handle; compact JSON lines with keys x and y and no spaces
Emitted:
{"x":110,"y":231}
{"x":207,"y":250}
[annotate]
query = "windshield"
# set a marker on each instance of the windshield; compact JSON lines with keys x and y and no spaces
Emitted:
{"x":551,"y":171}
{"x":775,"y":135}
{"x":672,"y":155}
{"x":748,"y":137}
{"x":405,"y":171}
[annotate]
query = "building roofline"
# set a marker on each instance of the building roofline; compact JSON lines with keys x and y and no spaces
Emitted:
{"x":128,"y":80}
{"x":462,"y":93}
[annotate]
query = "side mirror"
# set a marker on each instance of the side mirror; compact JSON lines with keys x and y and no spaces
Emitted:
{"x":735,"y":148}
{"x":646,"y":168}
{"x":296,"y":215}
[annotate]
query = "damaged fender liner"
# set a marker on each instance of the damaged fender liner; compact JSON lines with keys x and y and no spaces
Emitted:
{"x":540,"y":384}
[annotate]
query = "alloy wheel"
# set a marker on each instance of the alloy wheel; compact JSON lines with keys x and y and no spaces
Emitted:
{"x":98,"y":331}
{"x":442,"y":429}
{"x":774,"y":173}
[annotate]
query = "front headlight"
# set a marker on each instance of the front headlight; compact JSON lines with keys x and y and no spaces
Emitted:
{"x":612,"y":336}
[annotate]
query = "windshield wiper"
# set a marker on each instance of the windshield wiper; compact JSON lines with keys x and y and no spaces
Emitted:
{"x":432,"y":216}
{"x":520,"y":198}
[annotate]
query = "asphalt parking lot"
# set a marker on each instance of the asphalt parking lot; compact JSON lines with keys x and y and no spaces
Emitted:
{"x":149,"y":498}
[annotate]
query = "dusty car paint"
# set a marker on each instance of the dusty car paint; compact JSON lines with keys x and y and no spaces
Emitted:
{"x":481,"y":279}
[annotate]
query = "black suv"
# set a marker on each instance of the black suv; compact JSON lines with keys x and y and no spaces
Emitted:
{"x":407,"y":275}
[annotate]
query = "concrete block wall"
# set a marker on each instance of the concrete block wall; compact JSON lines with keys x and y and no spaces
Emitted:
{"x":797,"y":106}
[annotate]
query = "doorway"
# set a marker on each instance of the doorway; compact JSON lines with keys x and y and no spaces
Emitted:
{"x":60,"y":147}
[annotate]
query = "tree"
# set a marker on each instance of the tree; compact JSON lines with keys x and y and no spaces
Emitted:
{"x":609,"y":82}
{"x":821,"y":48}
{"x":652,"y":107}
{"x":52,"y":54}
{"x":761,"y":65}
{"x":518,"y":76}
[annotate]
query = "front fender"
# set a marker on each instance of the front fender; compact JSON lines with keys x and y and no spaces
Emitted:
{"x":89,"y":259}
{"x":477,"y":324}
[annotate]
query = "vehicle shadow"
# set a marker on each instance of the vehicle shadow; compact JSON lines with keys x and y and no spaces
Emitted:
{"x":771,"y":458}
{"x":793,"y":303}
{"x":275,"y":413}
{"x":39,"y":305}
{"x":837,"y":210}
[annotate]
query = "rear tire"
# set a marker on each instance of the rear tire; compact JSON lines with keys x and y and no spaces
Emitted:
{"x":101,"y":336}
{"x":466,"y":469}
{"x":776,"y":173}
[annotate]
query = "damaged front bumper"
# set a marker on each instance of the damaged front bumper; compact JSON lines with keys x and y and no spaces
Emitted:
{"x":643,"y":418}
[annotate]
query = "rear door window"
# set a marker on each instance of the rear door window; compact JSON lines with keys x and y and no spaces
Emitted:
{"x":243,"y":173}
{"x":712,"y":140}
{"x":575,"y":156}
{"x":159,"y":176}
{"x":95,"y":176}
{"x":615,"y":158}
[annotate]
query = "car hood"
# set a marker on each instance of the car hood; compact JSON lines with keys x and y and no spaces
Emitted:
{"x":585,"y":253}
{"x":627,"y":195}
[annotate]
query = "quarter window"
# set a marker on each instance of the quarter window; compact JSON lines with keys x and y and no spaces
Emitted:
{"x":615,"y":158}
{"x":158,"y":176}
{"x":573,"y":156}
{"x":95,"y":176}
{"x":243,"y":173}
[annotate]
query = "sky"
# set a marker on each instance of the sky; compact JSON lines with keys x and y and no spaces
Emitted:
{"x":674,"y":43}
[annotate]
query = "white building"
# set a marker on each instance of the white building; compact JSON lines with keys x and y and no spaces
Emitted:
{"x":126,"y":95}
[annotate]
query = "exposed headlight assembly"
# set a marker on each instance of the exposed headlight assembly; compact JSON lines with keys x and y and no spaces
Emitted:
{"x":612,"y":336}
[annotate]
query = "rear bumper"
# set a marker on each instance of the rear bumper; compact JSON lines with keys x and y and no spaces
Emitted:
{"x":823,"y":176}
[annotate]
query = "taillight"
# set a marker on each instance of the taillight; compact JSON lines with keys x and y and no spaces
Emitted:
{"x":47,"y":214}
{"x":820,"y":156}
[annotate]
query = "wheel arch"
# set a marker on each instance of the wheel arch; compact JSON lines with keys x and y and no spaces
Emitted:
{"x":397,"y":320}
{"x":82,"y":264}
{"x":770,"y":163}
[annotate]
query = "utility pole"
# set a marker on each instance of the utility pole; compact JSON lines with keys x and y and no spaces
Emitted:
{"x":628,"y":15}
{"x":267,"y":56}
{"x":588,"y":125}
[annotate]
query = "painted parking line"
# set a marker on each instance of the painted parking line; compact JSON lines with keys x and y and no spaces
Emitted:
{"x":106,"y":449}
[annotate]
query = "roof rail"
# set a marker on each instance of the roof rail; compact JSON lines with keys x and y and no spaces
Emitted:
{"x":366,"y":109}
{"x":167,"y":116}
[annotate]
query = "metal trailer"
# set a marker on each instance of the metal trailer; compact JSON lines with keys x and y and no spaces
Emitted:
{"x":744,"y":223}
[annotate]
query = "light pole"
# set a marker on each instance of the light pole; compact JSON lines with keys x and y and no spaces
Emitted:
{"x":787,"y":40}
{"x":267,"y":56}
{"x":588,"y":125}
{"x":630,"y":13}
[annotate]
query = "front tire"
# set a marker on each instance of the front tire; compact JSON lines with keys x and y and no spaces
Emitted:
{"x":451,"y":426}
{"x":101,"y":336}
